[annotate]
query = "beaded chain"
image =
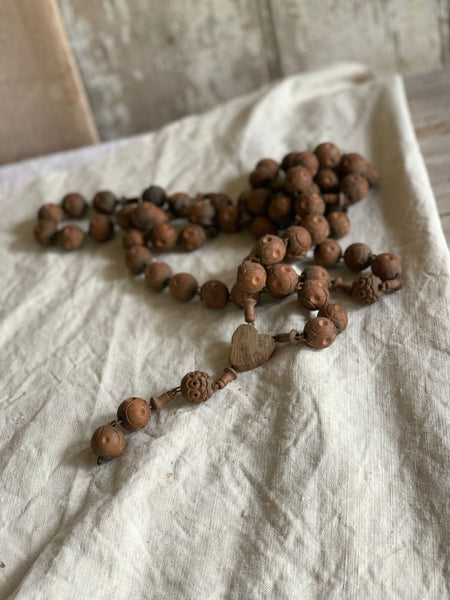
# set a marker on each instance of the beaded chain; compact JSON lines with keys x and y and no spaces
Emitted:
{"x":292,"y":206}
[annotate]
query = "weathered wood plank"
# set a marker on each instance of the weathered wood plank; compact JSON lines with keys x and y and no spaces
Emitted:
{"x":42,"y":101}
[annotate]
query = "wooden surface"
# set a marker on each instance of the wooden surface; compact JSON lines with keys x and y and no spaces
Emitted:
{"x":42,"y":103}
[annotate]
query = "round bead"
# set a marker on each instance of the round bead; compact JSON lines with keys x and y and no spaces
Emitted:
{"x":218,"y":200}
{"x":304,"y":159}
{"x":281,"y":280}
{"x":214,"y":294}
{"x":74,"y":205}
{"x":146,"y":216}
{"x":164,"y":237}
{"x":192,"y":237}
{"x":45,"y":232}
{"x":309,"y":204}
{"x":318,"y":228}
{"x":328,"y":155}
{"x":123,"y":216}
{"x":355,"y":187}
{"x":264,"y":172}
{"x":366,"y":289}
{"x":327,"y":253}
{"x":197,"y":387}
{"x":371,"y":174}
{"x":71,"y":237}
{"x":298,"y":242}
{"x":327,"y":180}
{"x":183,"y":287}
{"x":386,"y":266}
{"x":352,"y":163}
{"x":240,"y":296}
{"x":104,"y":202}
{"x":315,"y":272}
{"x":319,"y":333}
{"x":357,"y":257}
{"x":133,"y":237}
{"x":261,"y":226}
{"x":313,"y":294}
{"x":101,"y":228}
{"x":137,"y":259}
{"x":339,"y":224}
{"x":51,"y":212}
{"x":229,"y":218}
{"x":107,"y":442}
{"x":270,"y":249}
{"x":298,"y":179}
{"x":154,"y":194}
{"x":280,"y":209}
{"x":251,"y":277}
{"x":179,"y":204}
{"x":255,"y":201}
{"x":337,"y":314}
{"x":157,"y":276}
{"x":202,"y":213}
{"x":134,"y":413}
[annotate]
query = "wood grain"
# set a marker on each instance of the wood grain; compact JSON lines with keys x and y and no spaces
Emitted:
{"x":42,"y":102}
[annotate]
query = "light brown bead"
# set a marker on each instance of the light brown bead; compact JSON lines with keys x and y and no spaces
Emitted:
{"x":74,"y":205}
{"x":134,"y":413}
{"x":51,"y":212}
{"x":192,"y":237}
{"x":157,"y":275}
{"x":367,"y":289}
{"x":228,"y":376}
{"x":123,"y":216}
{"x":251,"y":277}
{"x":281,"y":280}
{"x":263,"y":173}
{"x":164,"y":237}
{"x":298,"y":179}
{"x":337,"y":314}
{"x":327,"y":180}
{"x":71,"y":237}
{"x":357,"y":257}
{"x":146,"y":216}
{"x":202,"y":213}
{"x":371,"y":174}
{"x":183,"y":287}
{"x":315,"y":272}
{"x":319,"y":333}
{"x":328,"y":155}
{"x":214,"y":294}
{"x":240,"y":296}
{"x":107,"y":442}
{"x":280,"y":209}
{"x":317,"y":227}
{"x":339,"y":224}
{"x":270,"y":249}
{"x":229,"y":218}
{"x":105,"y":202}
{"x":101,"y":228}
{"x":137,"y":259}
{"x":327,"y":253}
{"x":133,"y":237}
{"x":309,"y":204}
{"x":298,"y":242}
{"x":261,"y":226}
{"x":355,"y":187}
{"x":386,"y":266}
{"x":352,"y":163}
{"x":179,"y":204}
{"x":197,"y":387}
{"x":256,"y":201}
{"x":313,"y":294}
{"x":304,"y":159}
{"x":45,"y":232}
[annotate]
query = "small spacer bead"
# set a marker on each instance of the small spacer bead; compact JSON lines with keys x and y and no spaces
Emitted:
{"x":228,"y":376}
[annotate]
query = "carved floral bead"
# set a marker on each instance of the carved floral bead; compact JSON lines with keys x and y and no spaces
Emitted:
{"x":101,"y":228}
{"x":319,"y":333}
{"x":192,"y":237}
{"x":298,"y":242}
{"x":157,"y":275}
{"x":366,"y":289}
{"x":51,"y":212}
{"x":315,"y":272}
{"x":355,"y":187}
{"x":74,"y":205}
{"x":318,"y":228}
{"x":214,"y":294}
{"x":45,"y":232}
{"x":105,"y":202}
{"x":71,"y":237}
{"x":298,"y":179}
{"x":337,"y":314}
{"x":197,"y":387}
{"x":134,"y":413}
{"x":386,"y":266}
{"x":183,"y":287}
{"x":339,"y":224}
{"x":107,"y":442}
{"x":313,"y":294}
{"x":281,"y":280}
{"x":164,"y":237}
{"x":358,"y":256}
{"x":270,"y":249}
{"x":251,"y":277}
{"x":327,"y":253}
{"x":137,"y":259}
{"x":328,"y":155}
{"x":309,"y":204}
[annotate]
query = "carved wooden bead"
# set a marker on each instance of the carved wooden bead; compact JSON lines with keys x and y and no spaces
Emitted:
{"x":101,"y":228}
{"x":304,"y":159}
{"x":298,"y":242}
{"x":366,"y":289}
{"x":134,"y":413}
{"x":51,"y":212}
{"x":107,"y":442}
{"x":337,"y":314}
{"x":328,"y":155}
{"x":192,"y":237}
{"x":183,"y":287}
{"x":319,"y":333}
{"x":386,"y":266}
{"x":327,"y":253}
{"x":313,"y":294}
{"x":256,"y":201}
{"x":179,"y":204}
{"x":355,"y":187}
{"x":74,"y":205}
{"x":339,"y":224}
{"x":133,"y":237}
{"x":123,"y":216}
{"x":164,"y":237}
{"x":71,"y":237}
{"x":251,"y":277}
{"x":202,"y":213}
{"x":357,"y":257}
{"x":261,"y":226}
{"x":327,"y":180}
{"x":281,"y":280}
{"x":105,"y":202}
{"x":146,"y":216}
{"x":309,"y":204}
{"x":154,"y":194}
{"x":270,"y":249}
{"x":318,"y":228}
{"x":298,"y":179}
{"x":229,"y":218}
{"x":315,"y":272}
{"x":352,"y":163}
{"x":197,"y":387}
{"x":45,"y":232}
{"x":214,"y":294}
{"x":157,"y":275}
{"x":280,"y":209}
{"x":240,"y":296}
{"x":137,"y":259}
{"x":263,"y":173}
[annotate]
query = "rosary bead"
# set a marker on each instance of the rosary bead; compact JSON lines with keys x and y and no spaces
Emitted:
{"x":183,"y":287}
{"x":123,"y":217}
{"x":107,"y":442}
{"x":315,"y":272}
{"x":266,"y":170}
{"x":137,"y":259}
{"x":154,"y":194}
{"x":229,"y":218}
{"x":179,"y":204}
{"x":386,"y":266}
{"x":134,"y":413}
{"x":339,"y":224}
{"x":281,"y":280}
{"x":105,"y":202}
{"x":74,"y":205}
{"x":318,"y":228}
{"x":355,"y":187}
{"x":280,"y":209}
{"x":218,"y":199}
{"x":327,"y":180}
{"x":319,"y":333}
{"x":304,"y":159}
{"x":352,"y":163}
{"x":262,"y":226}
{"x":270,"y":249}
{"x":71,"y":237}
{"x":157,"y":275}
{"x":337,"y":314}
{"x":101,"y":228}
{"x":328,"y":154}
{"x":197,"y":387}
{"x":313,"y":294}
{"x":371,"y":174}
{"x":133,"y":237}
{"x":327,"y":253}
{"x":367,"y":289}
{"x":256,"y":201}
{"x":202,"y":213}
{"x":251,"y":277}
{"x":240,"y":296}
{"x":309,"y":204}
{"x":51,"y":212}
{"x":164,"y":237}
{"x":298,"y":241}
{"x":214,"y":294}
{"x":146,"y":216}
{"x":298,"y":179}
{"x":192,"y":237}
{"x":45,"y":231}
{"x":357,"y":257}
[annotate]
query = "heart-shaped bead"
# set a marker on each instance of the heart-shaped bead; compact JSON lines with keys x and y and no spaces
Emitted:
{"x":250,"y":349}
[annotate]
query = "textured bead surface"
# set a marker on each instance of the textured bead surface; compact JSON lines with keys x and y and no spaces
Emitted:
{"x":313,"y":294}
{"x":45,"y":232}
{"x":251,"y":277}
{"x":357,"y":257}
{"x":315,"y":272}
{"x":137,"y":259}
{"x":157,"y":275}
{"x":386,"y":266}
{"x":133,"y":237}
{"x":339,"y":224}
{"x":366,"y":289}
{"x":298,"y":242}
{"x":197,"y":387}
{"x":317,"y":227}
{"x":104,"y":202}
{"x":51,"y":212}
{"x":134,"y":413}
{"x":74,"y":205}
{"x":101,"y":228}
{"x":281,"y":280}
{"x":298,"y":179}
{"x":192,"y":237}
{"x":71,"y":237}
{"x":164,"y":237}
{"x":183,"y":287}
{"x":304,"y":159}
{"x":202,"y":213}
{"x":352,"y":163}
{"x":327,"y":253}
{"x":327,"y":180}
{"x":146,"y":216}
{"x":214,"y":294}
{"x":355,"y":187}
{"x":270,"y":249}
{"x":337,"y":314}
{"x":309,"y":204}
{"x":328,"y":155}
{"x":107,"y":442}
{"x":319,"y":333}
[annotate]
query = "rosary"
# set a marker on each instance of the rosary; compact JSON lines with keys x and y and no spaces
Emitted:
{"x":305,"y":199}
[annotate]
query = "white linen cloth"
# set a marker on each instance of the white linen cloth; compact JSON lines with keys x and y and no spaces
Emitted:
{"x":318,"y":475}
